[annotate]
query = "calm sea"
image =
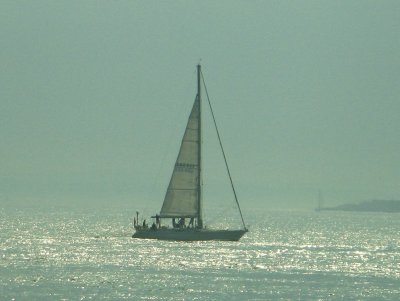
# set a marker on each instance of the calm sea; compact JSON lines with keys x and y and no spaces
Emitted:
{"x":57,"y":254}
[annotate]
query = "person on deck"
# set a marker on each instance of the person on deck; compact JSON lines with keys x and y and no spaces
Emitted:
{"x":182,"y":222}
{"x":158,"y":221}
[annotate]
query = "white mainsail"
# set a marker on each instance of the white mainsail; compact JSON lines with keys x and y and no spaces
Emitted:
{"x":182,"y":197}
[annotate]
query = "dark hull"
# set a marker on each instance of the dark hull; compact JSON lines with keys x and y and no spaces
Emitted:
{"x":189,"y":234}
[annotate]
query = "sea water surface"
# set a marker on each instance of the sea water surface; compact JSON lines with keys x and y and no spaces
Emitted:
{"x":60,"y":254}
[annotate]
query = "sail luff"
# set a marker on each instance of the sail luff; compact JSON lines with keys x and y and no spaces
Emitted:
{"x":181,"y":198}
{"x":200,"y":182}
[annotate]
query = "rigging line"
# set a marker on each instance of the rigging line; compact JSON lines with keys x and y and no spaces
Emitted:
{"x":222,"y":149}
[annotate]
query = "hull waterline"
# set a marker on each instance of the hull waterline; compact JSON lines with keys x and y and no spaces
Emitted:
{"x":189,"y":234}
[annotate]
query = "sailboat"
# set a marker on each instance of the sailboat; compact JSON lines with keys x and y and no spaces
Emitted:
{"x":183,"y":199}
{"x":320,"y":205}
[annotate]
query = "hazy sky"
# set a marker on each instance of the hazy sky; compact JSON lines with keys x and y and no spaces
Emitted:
{"x":94,"y":97}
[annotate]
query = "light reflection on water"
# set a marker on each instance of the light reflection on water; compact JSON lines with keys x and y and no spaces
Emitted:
{"x":287,"y":255}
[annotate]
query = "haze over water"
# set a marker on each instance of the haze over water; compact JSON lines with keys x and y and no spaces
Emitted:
{"x":95,"y":95}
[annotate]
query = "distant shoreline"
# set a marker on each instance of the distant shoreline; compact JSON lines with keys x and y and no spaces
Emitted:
{"x":367,"y":206}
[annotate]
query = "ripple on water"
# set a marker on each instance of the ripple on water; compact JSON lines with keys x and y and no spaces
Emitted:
{"x":286,"y":255}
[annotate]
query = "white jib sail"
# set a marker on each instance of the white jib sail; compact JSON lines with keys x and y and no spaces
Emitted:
{"x":181,"y":199}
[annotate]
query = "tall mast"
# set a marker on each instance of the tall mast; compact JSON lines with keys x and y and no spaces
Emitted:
{"x":200,"y":181}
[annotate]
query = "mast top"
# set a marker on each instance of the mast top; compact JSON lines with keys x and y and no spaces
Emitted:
{"x":198,"y":80}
